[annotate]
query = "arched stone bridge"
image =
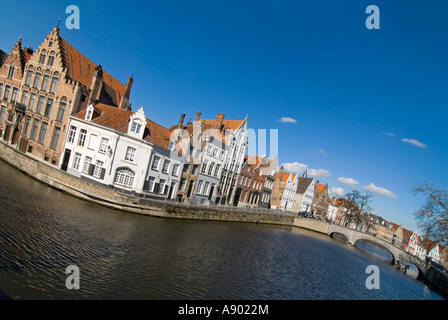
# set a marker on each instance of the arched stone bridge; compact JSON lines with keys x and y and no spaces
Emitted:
{"x":398,"y":255}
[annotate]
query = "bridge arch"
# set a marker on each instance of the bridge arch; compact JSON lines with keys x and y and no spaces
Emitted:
{"x":358,"y":244}
{"x":339,"y":236}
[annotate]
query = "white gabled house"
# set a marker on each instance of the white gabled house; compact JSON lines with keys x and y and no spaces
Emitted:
{"x":122,"y":149}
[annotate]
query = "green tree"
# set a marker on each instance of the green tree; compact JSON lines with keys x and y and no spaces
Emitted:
{"x":432,"y":217}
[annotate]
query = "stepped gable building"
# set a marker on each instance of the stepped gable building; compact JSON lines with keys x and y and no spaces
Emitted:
{"x":206,"y":147}
{"x":321,"y":200}
{"x":397,"y":237}
{"x":122,"y":149}
{"x":284,"y":190}
{"x":268,"y":169}
{"x":12,"y":109}
{"x":249,"y":187}
{"x":58,"y":81}
{"x":303,"y":199}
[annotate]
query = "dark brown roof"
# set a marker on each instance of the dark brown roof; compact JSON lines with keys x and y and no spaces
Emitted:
{"x":3,"y":56}
{"x":303,"y":184}
{"x":81,"y":69}
{"x":118,"y":119}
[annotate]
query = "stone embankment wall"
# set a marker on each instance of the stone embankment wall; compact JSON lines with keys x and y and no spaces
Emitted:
{"x":110,"y":197}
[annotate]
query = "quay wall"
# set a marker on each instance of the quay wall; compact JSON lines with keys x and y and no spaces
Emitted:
{"x":107,"y":196}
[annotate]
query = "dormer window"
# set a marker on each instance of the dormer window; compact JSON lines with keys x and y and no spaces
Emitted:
{"x":171,"y":145}
{"x":89,"y":113}
{"x":137,"y":124}
{"x":136,"y":127}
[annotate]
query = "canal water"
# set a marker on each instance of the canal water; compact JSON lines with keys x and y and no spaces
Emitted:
{"x":128,"y":256}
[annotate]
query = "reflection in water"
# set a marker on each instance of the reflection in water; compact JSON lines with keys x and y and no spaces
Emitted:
{"x":127,"y":256}
{"x":375,"y":250}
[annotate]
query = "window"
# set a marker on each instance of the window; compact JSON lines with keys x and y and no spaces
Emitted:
{"x":98,"y":169}
{"x":155,"y":163}
{"x":6,"y":93}
{"x":76,"y":161}
{"x":210,"y":169}
{"x":37,"y":79}
{"x":27,"y":125}
{"x":150,"y":184}
{"x":61,"y":110}
{"x":198,"y":189}
{"x":124,"y":177}
{"x":55,"y":138}
{"x":2,"y":114}
{"x":29,"y":75}
{"x":175,"y":169}
{"x":45,"y":81}
{"x":162,"y":186}
{"x":54,"y":83}
{"x":50,"y":59}
{"x":1,"y":88}
{"x":171,"y":145}
{"x":43,"y":131}
{"x":34,"y":129}
{"x":24,"y":97}
{"x":130,"y":154}
{"x":48,"y":107}
{"x":195,"y":169}
{"x":42,"y":57}
{"x":204,"y":166}
{"x":207,"y":184}
{"x":136,"y":127}
{"x":182,"y":184}
{"x":166,"y":166}
{"x":10,"y":71}
{"x":40,"y":104}
{"x":103,"y":145}
{"x":71,"y":134}
{"x":15,"y":92}
{"x":87,"y":162}
{"x":82,"y":137}
{"x":32,"y":101}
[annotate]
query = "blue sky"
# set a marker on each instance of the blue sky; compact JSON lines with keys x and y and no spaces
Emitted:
{"x":370,"y":105}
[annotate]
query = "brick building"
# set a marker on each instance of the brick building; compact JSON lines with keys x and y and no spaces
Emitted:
{"x":206,"y":144}
{"x":12,"y":111}
{"x":249,"y":187}
{"x":57,"y":80}
{"x":321,"y":200}
{"x":284,"y":190}
{"x":268,"y":169}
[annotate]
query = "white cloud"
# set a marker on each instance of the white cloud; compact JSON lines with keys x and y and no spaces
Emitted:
{"x":348,"y":181}
{"x":337,"y":191}
{"x":295,"y":167}
{"x":287,"y":120}
{"x":379,"y":191}
{"x":319,"y":173}
{"x":299,"y":168}
{"x":414,"y":142}
{"x":388,"y":134}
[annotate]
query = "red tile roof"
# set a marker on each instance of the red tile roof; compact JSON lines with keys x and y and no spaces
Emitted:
{"x":118,"y":119}
{"x":81,"y":69}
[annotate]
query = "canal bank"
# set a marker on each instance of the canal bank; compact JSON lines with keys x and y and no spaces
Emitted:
{"x":113,"y":198}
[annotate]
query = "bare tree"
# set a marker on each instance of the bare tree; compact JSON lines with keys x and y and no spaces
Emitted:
{"x":356,"y":205}
{"x":432,"y":217}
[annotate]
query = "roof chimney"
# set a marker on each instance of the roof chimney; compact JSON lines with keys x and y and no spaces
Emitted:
{"x":181,"y":120}
{"x":198,"y":116}
{"x":218,"y":121}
